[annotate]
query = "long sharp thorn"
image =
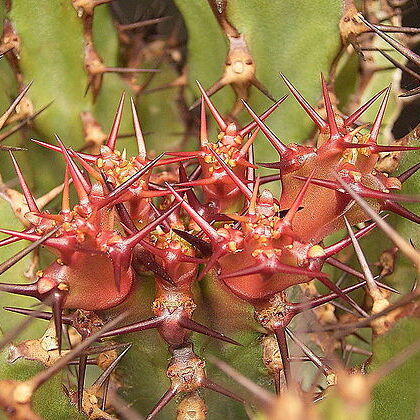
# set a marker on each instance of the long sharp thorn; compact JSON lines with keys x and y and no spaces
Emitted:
{"x":261,"y":393}
{"x":137,"y":129}
{"x":284,"y":353}
{"x":113,"y":134}
{"x":332,"y":286}
{"x":147,"y":324}
{"x":30,"y":289}
{"x":85,"y":156}
{"x":68,"y":320}
{"x":219,"y":120}
{"x":58,"y":298}
{"x":350,"y":120}
{"x":207,"y":383}
{"x":237,"y":181}
{"x":402,"y":49}
{"x":248,"y":128}
{"x":65,"y":201}
{"x":253,"y":201}
{"x":251,"y":171}
{"x":189,"y":324}
{"x":122,"y":188}
{"x":288,"y":219}
{"x":107,"y":372}
{"x":340,"y":245}
{"x":21,"y":124}
{"x":372,"y":286}
{"x":81,"y":380}
{"x":25,"y":189}
{"x":204,"y":225}
{"x":36,"y":381}
{"x":309,"y":353}
{"x":398,"y":29}
{"x":203,"y":125}
{"x":138,"y":236}
{"x":80,"y":184}
{"x":404,"y":246}
{"x":21,"y":254}
{"x":166,"y":398}
{"x":408,"y":173}
{"x":401,"y":211}
{"x":322,"y":300}
{"x":276,"y":268}
{"x":11,"y":108}
{"x":204,"y":247}
{"x":316,"y":118}
{"x":399,"y":65}
{"x":373,"y":136}
{"x":332,"y":124}
{"x":345,"y":268}
{"x":281,"y":148}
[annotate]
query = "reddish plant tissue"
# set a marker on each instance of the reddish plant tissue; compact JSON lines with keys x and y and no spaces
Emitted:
{"x":217,"y":217}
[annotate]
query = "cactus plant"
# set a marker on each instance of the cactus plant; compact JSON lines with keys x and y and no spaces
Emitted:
{"x":246,"y":253}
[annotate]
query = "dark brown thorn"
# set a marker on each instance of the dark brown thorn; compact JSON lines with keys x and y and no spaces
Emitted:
{"x":398,"y":29}
{"x":12,"y":148}
{"x":344,"y":308}
{"x":265,"y":397}
{"x":30,"y":289}
{"x":21,"y":124}
{"x":57,"y":299}
{"x":402,"y":49}
{"x":67,"y":319}
{"x":316,"y":118}
{"x":107,"y":372}
{"x":401,"y":211}
{"x":81,"y":381}
{"x":349,"y":270}
{"x":204,"y":247}
{"x":404,"y":300}
{"x":328,"y":283}
{"x":189,"y":324}
{"x":207,"y":383}
{"x":297,"y":308}
{"x":105,"y":394}
{"x":411,"y":92}
{"x":13,"y":105}
{"x":281,"y":148}
{"x":404,"y":246}
{"x":284,"y":353}
{"x":263,"y":89}
{"x":398,"y":65}
{"x":4,"y":266}
{"x":122,"y":188}
{"x":142,"y":23}
{"x":310,"y":354}
{"x":253,"y":124}
{"x":408,"y":173}
{"x":166,"y":398}
{"x":147,"y":324}
{"x":30,"y":200}
{"x":37,"y":380}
